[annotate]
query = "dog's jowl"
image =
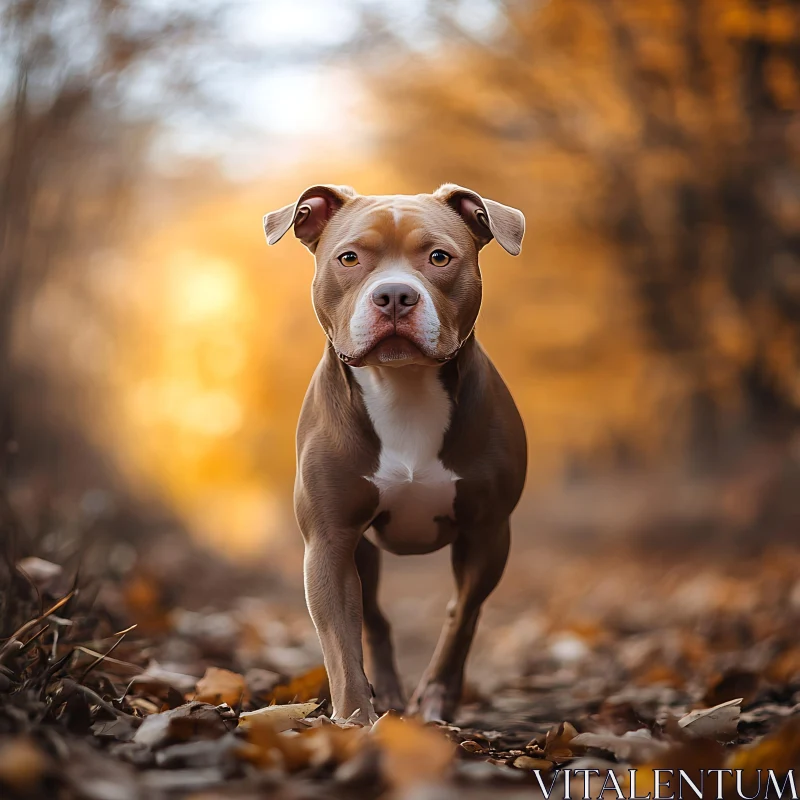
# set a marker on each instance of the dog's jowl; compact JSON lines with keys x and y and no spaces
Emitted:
{"x":408,"y":438}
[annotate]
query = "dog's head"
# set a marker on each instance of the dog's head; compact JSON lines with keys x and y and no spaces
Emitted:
{"x":397,"y":279}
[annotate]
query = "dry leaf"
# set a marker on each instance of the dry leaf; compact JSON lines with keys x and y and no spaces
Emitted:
{"x":638,"y":747}
{"x":313,"y":685}
{"x":333,"y":744}
{"x":261,"y":682}
{"x":155,"y":677}
{"x":411,"y":752}
{"x":526,"y":762}
{"x":733,"y":683}
{"x":221,"y":686}
{"x":278,"y":718}
{"x":556,"y":742}
{"x":22,"y":765}
{"x":266,"y":747}
{"x":144,"y":705}
{"x":145,"y":603}
{"x":193,"y":720}
{"x":720,"y":722}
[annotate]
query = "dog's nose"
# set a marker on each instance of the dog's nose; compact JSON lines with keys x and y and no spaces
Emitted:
{"x":395,"y":299}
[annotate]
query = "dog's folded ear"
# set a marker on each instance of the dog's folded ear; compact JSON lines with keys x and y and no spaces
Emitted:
{"x":486,"y":219}
{"x":309,"y":214}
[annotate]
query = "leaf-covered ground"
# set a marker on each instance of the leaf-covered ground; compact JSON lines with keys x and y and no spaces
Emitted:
{"x":584,"y":659}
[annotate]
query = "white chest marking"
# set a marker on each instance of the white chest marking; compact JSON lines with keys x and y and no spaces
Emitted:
{"x":410,"y":411}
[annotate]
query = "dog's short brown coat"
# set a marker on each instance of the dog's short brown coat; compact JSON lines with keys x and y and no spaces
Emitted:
{"x":358,"y":389}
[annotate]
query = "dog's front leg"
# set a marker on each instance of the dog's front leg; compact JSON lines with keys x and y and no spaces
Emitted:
{"x":333,"y":595}
{"x":479,"y":557}
{"x":383,"y":669}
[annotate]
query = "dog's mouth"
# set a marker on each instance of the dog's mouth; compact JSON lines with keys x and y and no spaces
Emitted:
{"x":393,"y":351}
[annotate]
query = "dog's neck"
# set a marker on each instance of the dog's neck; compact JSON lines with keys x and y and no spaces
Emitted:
{"x":399,"y":390}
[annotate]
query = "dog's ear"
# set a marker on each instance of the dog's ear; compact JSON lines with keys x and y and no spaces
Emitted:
{"x":486,"y":219}
{"x":309,"y":214}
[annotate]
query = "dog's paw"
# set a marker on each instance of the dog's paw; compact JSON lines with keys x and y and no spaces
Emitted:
{"x":387,"y":694}
{"x":364,"y":717}
{"x":433,"y":702}
{"x":389,"y":701}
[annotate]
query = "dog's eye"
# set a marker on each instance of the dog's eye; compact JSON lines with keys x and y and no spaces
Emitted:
{"x":439,"y":258}
{"x":348,"y":259}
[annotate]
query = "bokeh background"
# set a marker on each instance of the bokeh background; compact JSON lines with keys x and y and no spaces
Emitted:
{"x":154,"y":352}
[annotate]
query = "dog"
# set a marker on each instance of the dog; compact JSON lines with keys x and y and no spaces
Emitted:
{"x":408,"y":438}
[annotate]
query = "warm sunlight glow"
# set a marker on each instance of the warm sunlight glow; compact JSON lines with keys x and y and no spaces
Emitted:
{"x":202,"y":289}
{"x":188,"y":386}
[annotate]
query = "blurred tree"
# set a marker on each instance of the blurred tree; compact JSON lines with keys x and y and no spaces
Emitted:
{"x":661,"y":137}
{"x":79,"y":83}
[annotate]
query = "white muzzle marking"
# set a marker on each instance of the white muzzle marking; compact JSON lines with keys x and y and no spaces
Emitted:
{"x":423,"y":321}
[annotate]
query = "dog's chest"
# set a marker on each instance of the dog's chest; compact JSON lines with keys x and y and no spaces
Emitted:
{"x":410,"y":412}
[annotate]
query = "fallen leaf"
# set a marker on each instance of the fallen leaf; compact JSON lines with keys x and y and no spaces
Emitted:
{"x":331,"y":744}
{"x":556,"y":742}
{"x":278,"y":718}
{"x":221,"y":686}
{"x":261,"y":682}
{"x":731,"y":684}
{"x":720,"y":722}
{"x":312,"y":685}
{"x":122,"y":729}
{"x":145,"y":601}
{"x":201,"y":753}
{"x":360,"y":775}
{"x":144,"y":705}
{"x":267,"y":747}
{"x":22,"y":764}
{"x":189,"y":721}
{"x":526,"y":762}
{"x":637,"y":747}
{"x":155,"y":678}
{"x":411,"y":753}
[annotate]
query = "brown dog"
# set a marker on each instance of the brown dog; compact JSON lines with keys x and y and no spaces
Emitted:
{"x":408,"y":438}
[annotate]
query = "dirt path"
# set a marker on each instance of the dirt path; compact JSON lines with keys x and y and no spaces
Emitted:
{"x":583,"y":659}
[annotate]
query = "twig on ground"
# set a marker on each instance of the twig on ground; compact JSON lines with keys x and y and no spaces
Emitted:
{"x":105,"y":655}
{"x":14,"y":644}
{"x":69,"y":684}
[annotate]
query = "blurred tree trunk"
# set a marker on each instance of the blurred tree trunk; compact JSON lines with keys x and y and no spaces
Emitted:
{"x":70,"y":148}
{"x":14,"y":201}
